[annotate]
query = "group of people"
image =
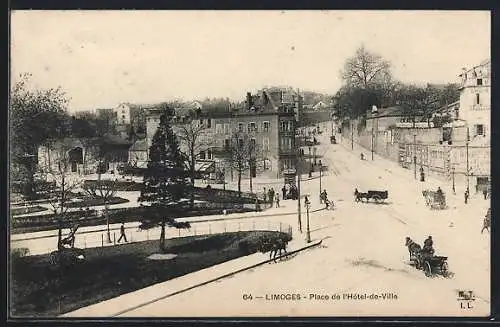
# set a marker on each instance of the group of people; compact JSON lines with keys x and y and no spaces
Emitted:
{"x":290,"y":192}
{"x":271,"y":197}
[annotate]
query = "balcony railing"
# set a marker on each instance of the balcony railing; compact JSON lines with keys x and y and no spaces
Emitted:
{"x":287,"y":152}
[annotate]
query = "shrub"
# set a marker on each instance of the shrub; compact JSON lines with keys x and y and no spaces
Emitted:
{"x":19,"y":252}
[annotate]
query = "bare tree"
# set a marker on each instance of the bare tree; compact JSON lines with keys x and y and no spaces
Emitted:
{"x":244,"y":154}
{"x":61,"y":187}
{"x":193,"y":137}
{"x":366,"y":70}
{"x":104,"y":190}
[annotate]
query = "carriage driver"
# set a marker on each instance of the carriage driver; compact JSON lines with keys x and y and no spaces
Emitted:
{"x":428,"y":250}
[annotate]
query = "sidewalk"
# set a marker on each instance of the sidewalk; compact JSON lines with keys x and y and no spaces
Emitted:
{"x":289,"y":205}
{"x":130,"y":301}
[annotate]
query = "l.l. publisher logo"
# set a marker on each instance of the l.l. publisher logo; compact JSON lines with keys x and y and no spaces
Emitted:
{"x":466,"y":299}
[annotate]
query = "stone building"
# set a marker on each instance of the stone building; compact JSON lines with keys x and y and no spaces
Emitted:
{"x":267,"y":117}
{"x":475,"y":102}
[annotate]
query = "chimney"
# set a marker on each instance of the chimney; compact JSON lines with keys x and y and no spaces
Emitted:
{"x":249,"y":101}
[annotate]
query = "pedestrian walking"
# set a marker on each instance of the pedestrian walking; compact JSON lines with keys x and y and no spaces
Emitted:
{"x":283,"y":190}
{"x":257,"y":204}
{"x":271,"y":196}
{"x":277,"y":200}
{"x":122,"y":233}
{"x":466,"y":196}
{"x":485,"y":194}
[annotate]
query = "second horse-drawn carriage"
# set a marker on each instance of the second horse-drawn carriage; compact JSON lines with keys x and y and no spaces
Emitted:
{"x":377,"y":196}
{"x":435,"y":200}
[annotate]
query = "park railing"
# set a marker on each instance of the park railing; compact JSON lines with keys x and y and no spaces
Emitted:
{"x":134,"y":234}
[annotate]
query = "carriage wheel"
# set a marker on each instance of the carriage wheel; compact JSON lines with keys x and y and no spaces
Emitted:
{"x":444,"y":269}
{"x":377,"y":198}
{"x":427,"y":269}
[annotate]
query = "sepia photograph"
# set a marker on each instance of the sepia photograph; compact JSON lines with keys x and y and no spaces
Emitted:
{"x":249,"y":163}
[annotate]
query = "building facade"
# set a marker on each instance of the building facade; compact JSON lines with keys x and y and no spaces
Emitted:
{"x":267,"y":118}
{"x":475,"y":101}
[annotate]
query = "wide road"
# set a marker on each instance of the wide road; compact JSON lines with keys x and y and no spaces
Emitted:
{"x":363,"y":252}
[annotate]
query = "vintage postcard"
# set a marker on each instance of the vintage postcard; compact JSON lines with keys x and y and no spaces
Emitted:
{"x":249,"y":164}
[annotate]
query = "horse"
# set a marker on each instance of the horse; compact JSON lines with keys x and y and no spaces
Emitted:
{"x":428,"y":196}
{"x":278,"y":245}
{"x":274,"y":245}
{"x":359,"y":196}
{"x":413,"y":248}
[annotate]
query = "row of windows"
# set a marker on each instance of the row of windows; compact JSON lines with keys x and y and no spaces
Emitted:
{"x":265,"y":143}
{"x":252,"y":127}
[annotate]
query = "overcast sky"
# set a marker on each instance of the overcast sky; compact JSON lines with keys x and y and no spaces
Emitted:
{"x":103,"y":58}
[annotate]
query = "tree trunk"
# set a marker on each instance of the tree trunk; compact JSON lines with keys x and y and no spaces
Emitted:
{"x":192,"y":173}
{"x":106,"y":214}
{"x":251,"y":186}
{"x":239,"y":183}
{"x":162,"y":237}
{"x":59,"y":234}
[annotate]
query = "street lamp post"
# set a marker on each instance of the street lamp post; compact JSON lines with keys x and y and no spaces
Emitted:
{"x":453,"y":179}
{"x":320,"y":173}
{"x":298,"y":173}
{"x":308,"y":233}
{"x":374,"y":115}
{"x":467,"y":158}
{"x":352,"y":135}
{"x":415,"y":156}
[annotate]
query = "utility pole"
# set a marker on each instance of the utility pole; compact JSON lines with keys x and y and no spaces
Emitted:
{"x":352,"y":135}
{"x":415,"y":156}
{"x":373,"y":136}
{"x":308,"y":233}
{"x":467,"y":158}
{"x":453,"y":179}
{"x":298,"y":172}
{"x":374,"y":120}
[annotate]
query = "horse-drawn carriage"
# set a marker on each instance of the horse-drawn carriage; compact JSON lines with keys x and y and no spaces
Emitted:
{"x":431,"y":265}
{"x":377,"y":196}
{"x":434,"y":200}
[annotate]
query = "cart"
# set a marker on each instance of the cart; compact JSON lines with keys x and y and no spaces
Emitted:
{"x":377,"y":196}
{"x":438,"y":201}
{"x":435,"y":265}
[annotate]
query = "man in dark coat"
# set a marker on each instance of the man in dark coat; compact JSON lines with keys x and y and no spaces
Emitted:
{"x":122,"y":234}
{"x":283,"y":190}
{"x":271,"y":196}
{"x":428,"y":250}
